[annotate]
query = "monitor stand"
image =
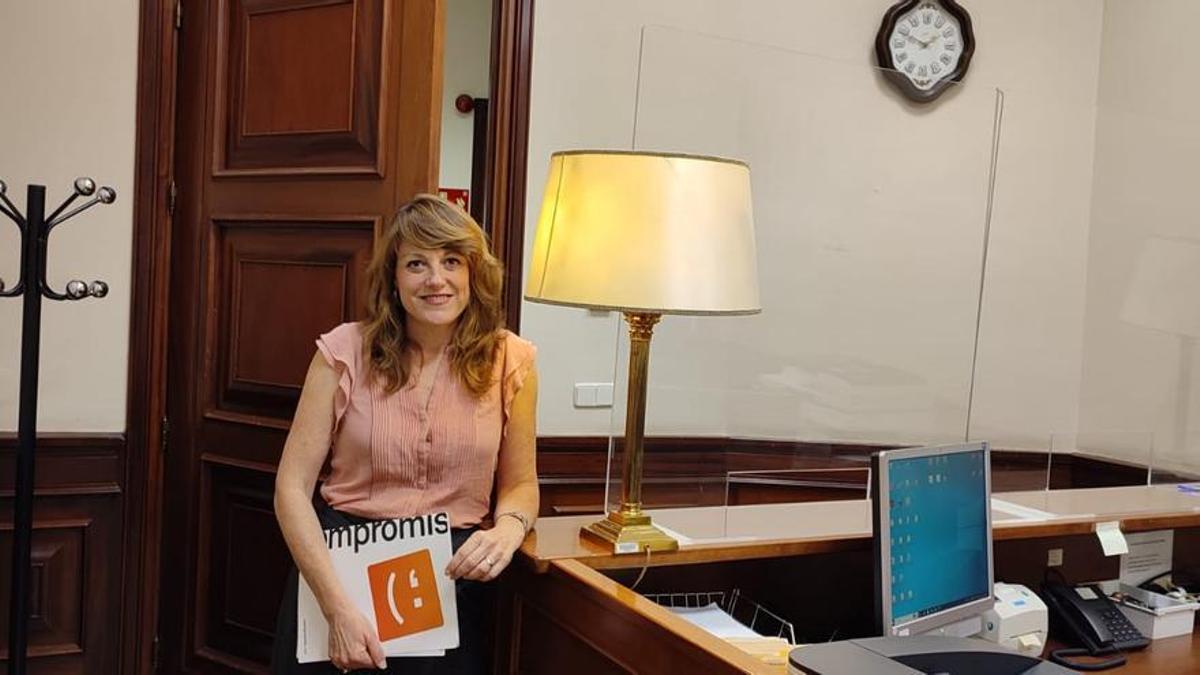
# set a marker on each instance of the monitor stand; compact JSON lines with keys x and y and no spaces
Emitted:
{"x":913,"y":655}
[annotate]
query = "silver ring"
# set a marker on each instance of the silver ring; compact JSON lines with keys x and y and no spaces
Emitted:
{"x":490,"y":562}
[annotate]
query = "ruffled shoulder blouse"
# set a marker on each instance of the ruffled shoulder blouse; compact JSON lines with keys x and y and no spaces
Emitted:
{"x":421,"y":449}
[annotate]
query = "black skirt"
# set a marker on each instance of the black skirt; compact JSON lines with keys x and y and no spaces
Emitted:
{"x":476,"y":607}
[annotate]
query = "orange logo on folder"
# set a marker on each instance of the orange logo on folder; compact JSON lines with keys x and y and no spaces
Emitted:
{"x":404,"y":592}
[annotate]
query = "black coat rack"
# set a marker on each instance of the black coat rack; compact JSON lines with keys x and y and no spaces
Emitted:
{"x":35,"y":228}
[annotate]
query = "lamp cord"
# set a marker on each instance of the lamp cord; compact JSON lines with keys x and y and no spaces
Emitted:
{"x":642,"y":574}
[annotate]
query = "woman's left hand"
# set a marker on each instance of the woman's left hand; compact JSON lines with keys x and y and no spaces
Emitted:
{"x":487,"y":552}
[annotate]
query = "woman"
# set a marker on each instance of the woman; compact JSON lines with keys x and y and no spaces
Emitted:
{"x":428,"y":405}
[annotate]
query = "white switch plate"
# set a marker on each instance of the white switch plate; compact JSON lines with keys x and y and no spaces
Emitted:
{"x":593,"y":394}
{"x":1054,"y":557}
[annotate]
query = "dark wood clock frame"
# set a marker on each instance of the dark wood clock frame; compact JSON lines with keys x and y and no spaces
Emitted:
{"x":883,"y":55}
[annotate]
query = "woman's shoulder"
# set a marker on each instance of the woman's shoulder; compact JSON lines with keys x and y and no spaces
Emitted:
{"x":515,"y":347}
{"x":342,"y":343}
{"x":516,"y":360}
{"x":351,"y":330}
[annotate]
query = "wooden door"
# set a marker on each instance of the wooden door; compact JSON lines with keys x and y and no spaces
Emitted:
{"x":302,"y":125}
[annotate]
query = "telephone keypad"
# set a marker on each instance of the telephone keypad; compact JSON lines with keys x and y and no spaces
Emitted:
{"x":1123,"y":632}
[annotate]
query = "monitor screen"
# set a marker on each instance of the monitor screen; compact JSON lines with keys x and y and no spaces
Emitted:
{"x":933,"y":536}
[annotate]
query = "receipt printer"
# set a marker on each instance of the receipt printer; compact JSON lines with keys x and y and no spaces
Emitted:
{"x":1017,"y":620}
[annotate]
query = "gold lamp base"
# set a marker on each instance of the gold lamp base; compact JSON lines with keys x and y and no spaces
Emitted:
{"x":628,"y":529}
{"x":629,"y":533}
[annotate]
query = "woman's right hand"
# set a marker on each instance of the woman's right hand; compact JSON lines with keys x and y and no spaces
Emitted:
{"x":352,"y":641}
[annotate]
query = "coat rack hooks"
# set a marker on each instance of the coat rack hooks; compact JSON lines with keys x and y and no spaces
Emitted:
{"x":35,"y":227}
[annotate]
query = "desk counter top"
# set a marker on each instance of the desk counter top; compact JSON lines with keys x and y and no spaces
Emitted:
{"x":709,"y":534}
{"x":1180,"y":654}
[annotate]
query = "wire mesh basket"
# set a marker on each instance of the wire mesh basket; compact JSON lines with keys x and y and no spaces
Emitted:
{"x":746,"y":611}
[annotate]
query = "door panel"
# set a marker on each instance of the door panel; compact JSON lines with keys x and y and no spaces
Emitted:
{"x":291,"y":279}
{"x":243,"y":600}
{"x":302,"y":88}
{"x":303,"y":124}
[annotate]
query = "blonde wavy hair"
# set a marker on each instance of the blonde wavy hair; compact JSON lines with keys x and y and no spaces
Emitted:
{"x":431,"y":222}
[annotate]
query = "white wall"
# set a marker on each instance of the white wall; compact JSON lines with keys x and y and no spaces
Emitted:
{"x":1147,"y":142}
{"x":69,"y":70}
{"x":1044,"y":366}
{"x":467,"y":58}
{"x":584,"y":79}
{"x":1044,"y":56}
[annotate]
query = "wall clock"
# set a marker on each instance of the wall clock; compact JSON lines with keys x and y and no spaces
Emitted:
{"x":924,"y":46}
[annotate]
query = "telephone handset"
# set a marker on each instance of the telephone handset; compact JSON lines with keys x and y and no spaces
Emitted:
{"x":1086,"y":615}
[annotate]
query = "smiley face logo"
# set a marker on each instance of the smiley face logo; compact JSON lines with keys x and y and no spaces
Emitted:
{"x":405,"y":596}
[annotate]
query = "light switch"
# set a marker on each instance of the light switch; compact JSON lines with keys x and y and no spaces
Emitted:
{"x":585,"y":396}
{"x":593,"y":394}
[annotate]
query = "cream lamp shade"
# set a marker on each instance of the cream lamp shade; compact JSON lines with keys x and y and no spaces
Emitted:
{"x":645,"y":232}
{"x":1163,"y":291}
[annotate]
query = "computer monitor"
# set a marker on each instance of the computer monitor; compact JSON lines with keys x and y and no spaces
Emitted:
{"x":933,"y":536}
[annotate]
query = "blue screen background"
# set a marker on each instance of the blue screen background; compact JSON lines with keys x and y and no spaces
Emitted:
{"x":938,"y":538}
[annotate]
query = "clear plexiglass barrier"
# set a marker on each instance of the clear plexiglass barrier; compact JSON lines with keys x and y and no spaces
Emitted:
{"x":870,"y":222}
{"x":971,"y":269}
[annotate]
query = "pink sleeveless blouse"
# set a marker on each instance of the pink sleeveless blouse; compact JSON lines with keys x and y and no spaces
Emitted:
{"x":421,"y":449}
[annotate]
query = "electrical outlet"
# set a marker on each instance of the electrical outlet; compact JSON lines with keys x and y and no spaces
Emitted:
{"x":1054,"y":557}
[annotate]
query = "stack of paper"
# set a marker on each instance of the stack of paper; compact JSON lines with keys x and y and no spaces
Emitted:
{"x":770,"y":650}
{"x":715,"y":620}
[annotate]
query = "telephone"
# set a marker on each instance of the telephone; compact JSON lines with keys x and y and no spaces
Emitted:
{"x":1084,"y":614}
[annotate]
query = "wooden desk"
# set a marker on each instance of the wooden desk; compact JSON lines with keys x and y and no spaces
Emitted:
{"x":774,"y":530}
{"x":1168,"y":655}
{"x":573,"y":602}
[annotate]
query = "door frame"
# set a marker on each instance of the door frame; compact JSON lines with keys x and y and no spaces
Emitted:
{"x":154,"y":161}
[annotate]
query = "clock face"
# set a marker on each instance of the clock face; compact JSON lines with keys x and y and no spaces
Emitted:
{"x":926,"y":44}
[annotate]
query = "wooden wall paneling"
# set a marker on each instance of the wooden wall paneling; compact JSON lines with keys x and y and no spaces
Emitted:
{"x":1085,"y":471}
{"x":56,"y":598}
{"x":75,"y":589}
{"x":68,"y":463}
{"x":1186,"y":556}
{"x":695,"y":471}
{"x":683,"y":471}
{"x":1023,"y":561}
{"x":806,"y":485}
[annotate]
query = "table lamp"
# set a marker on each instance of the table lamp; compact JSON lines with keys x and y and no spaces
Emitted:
{"x":1162,"y":296}
{"x":645,"y":234}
